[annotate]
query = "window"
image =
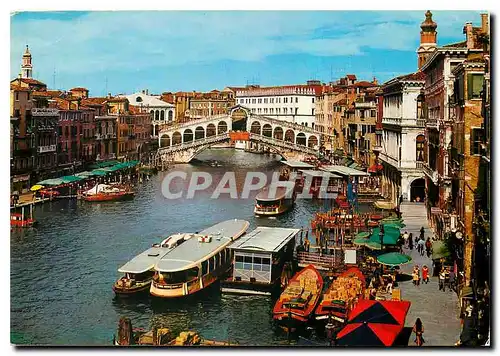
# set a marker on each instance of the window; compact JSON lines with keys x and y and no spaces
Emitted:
{"x":477,"y":140}
{"x":373,"y":113}
{"x":285,"y":111}
{"x":420,"y":147}
{"x":362,"y":114}
{"x":285,"y":100}
{"x":475,"y":85}
{"x":296,"y":110}
{"x":272,"y":100}
{"x":296,"y":100}
{"x":312,"y":112}
{"x":260,"y":101}
{"x":313,"y":100}
{"x":265,"y":100}
{"x":17,"y":96}
{"x":278,"y":100}
{"x":271,"y":111}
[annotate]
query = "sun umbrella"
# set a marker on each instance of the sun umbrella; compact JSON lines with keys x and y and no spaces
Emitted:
{"x":374,"y":323}
{"x":397,"y":225}
{"x":363,"y":234}
{"x":53,"y":181}
{"x":361,"y":241}
{"x":71,"y":179}
{"x":393,"y":259}
{"x":36,"y":187}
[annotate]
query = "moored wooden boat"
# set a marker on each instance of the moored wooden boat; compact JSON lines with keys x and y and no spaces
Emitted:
{"x":296,"y":304}
{"x":104,"y":192}
{"x":19,"y":220}
{"x":341,"y":296}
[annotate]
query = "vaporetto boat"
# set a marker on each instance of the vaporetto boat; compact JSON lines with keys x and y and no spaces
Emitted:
{"x":196,"y":261}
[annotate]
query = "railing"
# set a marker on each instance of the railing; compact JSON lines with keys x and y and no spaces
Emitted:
{"x":431,"y":123}
{"x":283,"y":144}
{"x":392,"y":161}
{"x":194,"y":123}
{"x":398,"y":121}
{"x":194,"y":144}
{"x":325,"y":261}
{"x":44,"y":149}
{"x":289,"y":125}
{"x":44,"y":112}
{"x":428,"y":171}
{"x":419,"y":165}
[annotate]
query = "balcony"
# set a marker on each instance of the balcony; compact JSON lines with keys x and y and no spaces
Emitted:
{"x":398,"y":121}
{"x":429,"y":172}
{"x":45,"y":149}
{"x":44,"y":112}
{"x":377,"y":148}
{"x":389,"y":159}
{"x":432,"y":123}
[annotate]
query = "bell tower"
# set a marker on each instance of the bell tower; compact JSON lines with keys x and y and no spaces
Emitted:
{"x":428,"y":39}
{"x":27,"y":67}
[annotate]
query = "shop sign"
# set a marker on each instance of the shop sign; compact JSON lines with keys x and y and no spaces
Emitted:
{"x":21,"y":178}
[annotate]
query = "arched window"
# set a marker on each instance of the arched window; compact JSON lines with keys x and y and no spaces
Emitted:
{"x":420,"y":147}
{"x":420,"y":106}
{"x":138,"y":99}
{"x":162,"y":115}
{"x":157,"y":115}
{"x":170,"y":115}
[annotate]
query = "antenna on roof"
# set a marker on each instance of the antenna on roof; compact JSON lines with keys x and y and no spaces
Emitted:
{"x":54,"y":79}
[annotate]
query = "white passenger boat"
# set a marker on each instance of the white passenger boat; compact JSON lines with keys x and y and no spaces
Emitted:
{"x":197,"y":261}
{"x":275,"y":199}
{"x":138,"y":272}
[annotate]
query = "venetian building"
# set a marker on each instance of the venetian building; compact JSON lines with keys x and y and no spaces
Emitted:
{"x":428,"y":39}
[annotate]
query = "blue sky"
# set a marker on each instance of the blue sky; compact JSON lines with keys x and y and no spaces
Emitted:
{"x":181,"y":50}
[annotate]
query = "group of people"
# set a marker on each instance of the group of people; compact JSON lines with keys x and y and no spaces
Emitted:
{"x":419,"y":242}
{"x":446,"y":277}
{"x":416,"y":275}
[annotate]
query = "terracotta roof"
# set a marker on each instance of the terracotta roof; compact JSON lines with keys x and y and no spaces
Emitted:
{"x":78,"y":89}
{"x":418,"y":76}
{"x":364,"y":84}
{"x":41,"y":94}
{"x":55,"y":93}
{"x":351,"y":76}
{"x":19,"y":88}
{"x":237,"y":88}
{"x":116,"y":100}
{"x":94,"y":101}
{"x":462,"y":44}
{"x":29,"y":81}
{"x":134,"y":109}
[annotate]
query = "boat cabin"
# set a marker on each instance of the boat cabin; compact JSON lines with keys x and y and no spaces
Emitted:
{"x":347,"y":173}
{"x":275,"y":198}
{"x":332,"y":182}
{"x":294,"y":166}
{"x":259,"y":260}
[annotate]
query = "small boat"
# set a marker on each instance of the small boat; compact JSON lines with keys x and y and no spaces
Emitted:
{"x":275,"y":199}
{"x":341,"y":296}
{"x":104,"y":192}
{"x":139,"y":271}
{"x":19,"y":220}
{"x":296,"y":304}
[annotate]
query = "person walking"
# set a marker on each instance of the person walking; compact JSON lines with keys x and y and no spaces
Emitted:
{"x":405,"y":237}
{"x":428,"y":247}
{"x":410,"y":242}
{"x":421,"y":244}
{"x":418,"y":329}
{"x":425,"y":274}
{"x":442,"y":277}
{"x":422,"y":230}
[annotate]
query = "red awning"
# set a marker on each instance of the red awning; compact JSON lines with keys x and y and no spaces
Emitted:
{"x":375,"y":168}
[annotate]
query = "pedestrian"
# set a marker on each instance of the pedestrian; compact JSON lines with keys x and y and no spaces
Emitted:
{"x":428,"y":247}
{"x":416,"y":242}
{"x":421,"y":244}
{"x":405,"y":237}
{"x":415,"y":277}
{"x":425,"y":274}
{"x":422,"y":230}
{"x":418,"y":329}
{"x":410,"y":241}
{"x":390,"y":284}
{"x":442,"y":277}
{"x":306,"y":244}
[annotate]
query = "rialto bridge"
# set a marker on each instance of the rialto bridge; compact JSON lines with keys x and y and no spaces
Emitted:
{"x":181,"y":143}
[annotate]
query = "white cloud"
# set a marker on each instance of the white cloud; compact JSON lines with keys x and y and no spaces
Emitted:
{"x":101,"y":41}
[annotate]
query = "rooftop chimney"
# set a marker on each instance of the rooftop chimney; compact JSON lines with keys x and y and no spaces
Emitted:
{"x":484,"y":23}
{"x":109,"y":95}
{"x":469,"y":35}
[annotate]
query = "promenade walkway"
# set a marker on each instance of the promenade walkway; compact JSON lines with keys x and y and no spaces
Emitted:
{"x":438,"y":310}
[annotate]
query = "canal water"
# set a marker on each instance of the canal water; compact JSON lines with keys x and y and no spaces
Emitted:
{"x":62,"y":271}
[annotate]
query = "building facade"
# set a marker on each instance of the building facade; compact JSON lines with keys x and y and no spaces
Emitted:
{"x":162,"y":113}
{"x":402,"y":150}
{"x":292,"y":103}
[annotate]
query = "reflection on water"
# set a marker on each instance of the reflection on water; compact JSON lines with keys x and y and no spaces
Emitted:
{"x":62,"y":271}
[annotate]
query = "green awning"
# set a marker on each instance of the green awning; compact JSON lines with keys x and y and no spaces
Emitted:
{"x":363,"y":234}
{"x":85,"y":174}
{"x":391,"y":235}
{"x":393,"y":259}
{"x":52,"y":182}
{"x":99,"y":172}
{"x":71,"y":179}
{"x":104,"y":164}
